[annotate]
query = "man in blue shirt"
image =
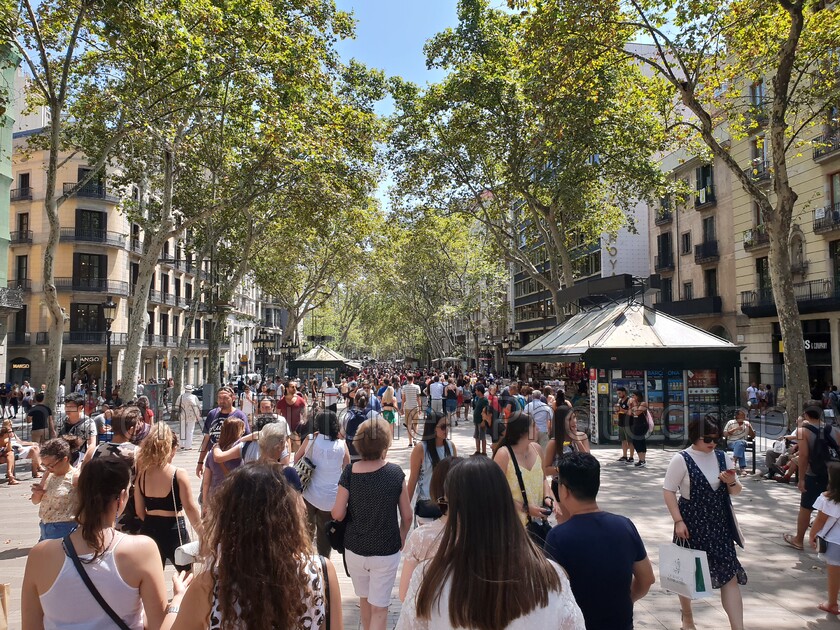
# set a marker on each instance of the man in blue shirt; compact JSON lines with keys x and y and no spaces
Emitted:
{"x":603,"y":553}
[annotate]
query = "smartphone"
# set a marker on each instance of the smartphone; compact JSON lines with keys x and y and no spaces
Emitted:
{"x":545,"y":511}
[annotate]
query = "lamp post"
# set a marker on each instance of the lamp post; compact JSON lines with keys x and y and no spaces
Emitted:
{"x":109,"y":310}
{"x":261,"y":342}
{"x":505,"y":348}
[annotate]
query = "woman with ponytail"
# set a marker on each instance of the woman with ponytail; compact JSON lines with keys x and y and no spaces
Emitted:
{"x":161,"y":492}
{"x":123,"y":570}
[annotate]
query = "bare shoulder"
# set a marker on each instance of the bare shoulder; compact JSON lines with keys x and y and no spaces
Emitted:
{"x":137,"y":545}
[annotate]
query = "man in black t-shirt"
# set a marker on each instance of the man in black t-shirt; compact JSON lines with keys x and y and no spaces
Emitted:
{"x":625,"y":433}
{"x":41,"y":417}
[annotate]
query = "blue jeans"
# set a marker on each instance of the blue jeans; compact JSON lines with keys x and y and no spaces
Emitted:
{"x":739,"y":448}
{"x":51,"y":531}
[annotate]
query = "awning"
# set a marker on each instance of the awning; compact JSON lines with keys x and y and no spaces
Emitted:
{"x":623,"y":333}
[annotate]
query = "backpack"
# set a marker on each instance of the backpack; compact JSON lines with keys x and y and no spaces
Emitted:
{"x":825,"y":451}
{"x":353,"y":424}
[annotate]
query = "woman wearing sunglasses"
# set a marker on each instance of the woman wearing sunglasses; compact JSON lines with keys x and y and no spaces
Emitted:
{"x":703,"y":517}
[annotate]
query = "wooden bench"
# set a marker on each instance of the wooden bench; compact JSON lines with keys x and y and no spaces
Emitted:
{"x":724,"y":446}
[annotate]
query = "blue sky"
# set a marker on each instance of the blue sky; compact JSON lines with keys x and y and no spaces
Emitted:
{"x":390,"y":35}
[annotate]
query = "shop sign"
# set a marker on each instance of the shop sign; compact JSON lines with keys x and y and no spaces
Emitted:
{"x":21,"y":366}
{"x":634,"y":373}
{"x":90,"y":358}
{"x":592,"y":374}
{"x":812,"y":344}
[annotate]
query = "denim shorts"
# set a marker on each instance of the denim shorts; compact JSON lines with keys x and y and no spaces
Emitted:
{"x":832,"y":554}
{"x":50,"y":531}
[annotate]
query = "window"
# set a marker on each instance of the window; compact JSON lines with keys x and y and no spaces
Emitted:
{"x":685,"y":246}
{"x":135,"y":273}
{"x":150,"y":329}
{"x":759,"y":154}
{"x":197,"y":329}
{"x":23,"y":181}
{"x":175,"y":324}
{"x":135,"y":237}
{"x":86,"y":318}
{"x":757,"y":95}
{"x":90,"y":270}
{"x":762,"y":273}
{"x":166,"y":249}
{"x":834,"y":257}
{"x":177,"y":287}
{"x":164,"y":324}
{"x":20,"y":320}
{"x":834,"y":188}
{"x":704,"y":176}
{"x":22,"y":269}
{"x":91,"y":223}
{"x":709,"y":230}
{"x":188,"y":291}
{"x":688,"y":291}
{"x":666,"y":291}
{"x":164,"y":283}
{"x":711,"y":282}
{"x":663,"y":246}
{"x":23,"y":223}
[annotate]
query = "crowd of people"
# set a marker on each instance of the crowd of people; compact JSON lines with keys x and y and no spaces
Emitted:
{"x":284,"y":483}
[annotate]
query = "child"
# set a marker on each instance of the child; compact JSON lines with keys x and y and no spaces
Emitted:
{"x":826,"y":527}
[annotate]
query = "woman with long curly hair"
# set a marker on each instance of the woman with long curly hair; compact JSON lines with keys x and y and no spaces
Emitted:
{"x":486,"y":578}
{"x":161,"y":492}
{"x":263,"y":574}
{"x":216,"y":471}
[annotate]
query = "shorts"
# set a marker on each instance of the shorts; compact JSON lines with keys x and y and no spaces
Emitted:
{"x":51,"y":531}
{"x":814,"y":487}
{"x":480,"y":432}
{"x":451,"y":405}
{"x":437,"y":404}
{"x":373,"y":576}
{"x":390,"y":416}
{"x":831,"y":555}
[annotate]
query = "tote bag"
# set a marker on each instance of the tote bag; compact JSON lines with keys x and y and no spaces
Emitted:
{"x":684,"y":571}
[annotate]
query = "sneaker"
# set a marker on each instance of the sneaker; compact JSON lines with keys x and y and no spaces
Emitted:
{"x":629,"y":460}
{"x":640,"y":464}
{"x":622,"y":459}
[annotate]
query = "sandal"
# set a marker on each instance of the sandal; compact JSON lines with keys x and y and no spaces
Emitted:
{"x":831,"y":611}
{"x":687,"y":621}
{"x":12,"y":481}
{"x":788,"y":538}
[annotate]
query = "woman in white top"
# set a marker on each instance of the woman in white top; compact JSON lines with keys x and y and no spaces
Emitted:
{"x":497,"y":564}
{"x":703,"y":516}
{"x":425,"y":540}
{"x":330,"y":456}
{"x":126,"y":570}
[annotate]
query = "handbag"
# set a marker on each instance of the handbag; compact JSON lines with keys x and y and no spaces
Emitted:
{"x":71,"y":553}
{"x":305,"y":466}
{"x":822,"y":543}
{"x":537,"y":528}
{"x":684,"y":571}
{"x":185,"y":552}
{"x":337,"y":529}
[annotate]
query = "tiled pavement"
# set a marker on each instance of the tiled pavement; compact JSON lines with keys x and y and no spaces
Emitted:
{"x":784,"y":585}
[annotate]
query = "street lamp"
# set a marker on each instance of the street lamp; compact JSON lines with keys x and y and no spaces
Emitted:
{"x":109,"y":310}
{"x":261,"y":343}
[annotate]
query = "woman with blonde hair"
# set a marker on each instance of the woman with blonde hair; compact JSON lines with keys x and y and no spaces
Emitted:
{"x":263,"y":574}
{"x":162,"y":491}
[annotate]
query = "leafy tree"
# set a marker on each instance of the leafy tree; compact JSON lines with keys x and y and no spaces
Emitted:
{"x":533,"y":133}
{"x":708,"y":55}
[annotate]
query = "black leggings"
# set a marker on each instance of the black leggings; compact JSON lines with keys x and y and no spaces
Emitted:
{"x":164,"y":531}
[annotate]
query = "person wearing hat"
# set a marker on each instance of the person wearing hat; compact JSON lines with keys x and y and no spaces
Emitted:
{"x":189,"y":412}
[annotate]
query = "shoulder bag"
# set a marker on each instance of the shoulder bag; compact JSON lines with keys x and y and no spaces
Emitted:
{"x":336,"y":529}
{"x":822,"y":543}
{"x":537,"y":528}
{"x":71,"y":553}
{"x":305,"y":466}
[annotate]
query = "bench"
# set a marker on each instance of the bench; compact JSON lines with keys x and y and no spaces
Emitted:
{"x":724,"y":446}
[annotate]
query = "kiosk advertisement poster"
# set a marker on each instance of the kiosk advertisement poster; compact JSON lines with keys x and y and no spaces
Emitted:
{"x":703,"y":393}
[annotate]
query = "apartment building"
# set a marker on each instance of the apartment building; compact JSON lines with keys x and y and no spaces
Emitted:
{"x":694,"y":251}
{"x":254,"y":315}
{"x":814,"y":243}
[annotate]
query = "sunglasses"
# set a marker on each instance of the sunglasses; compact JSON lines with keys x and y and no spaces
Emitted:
{"x":708,"y":439}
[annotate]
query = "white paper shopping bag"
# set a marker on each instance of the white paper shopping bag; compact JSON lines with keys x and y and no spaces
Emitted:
{"x":684,"y":571}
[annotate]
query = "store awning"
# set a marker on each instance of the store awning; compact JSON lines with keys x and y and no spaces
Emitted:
{"x":623,"y":333}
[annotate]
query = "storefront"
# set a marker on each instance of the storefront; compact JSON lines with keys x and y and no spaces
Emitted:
{"x":683,"y":372}
{"x":20,"y":369}
{"x":817,"y":336}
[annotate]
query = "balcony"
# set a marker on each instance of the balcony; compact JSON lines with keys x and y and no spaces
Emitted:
{"x":814,"y":296}
{"x":698,"y":306}
{"x":826,"y":146}
{"x":18,"y":338}
{"x":827,"y":219}
{"x":181,"y":301}
{"x":92,"y":190}
{"x":199,"y":343}
{"x":706,"y":252}
{"x":88,"y":235}
{"x":136,"y":246}
{"x":663,"y":217}
{"x":705,"y":198}
{"x":42,"y":339}
{"x":758,"y":171}
{"x":756,"y":238}
{"x":20,"y":237}
{"x":20,"y":194}
{"x":757,"y":115}
{"x":155,"y":296}
{"x":664,"y":262}
{"x":24,"y":284}
{"x":156,"y":341}
{"x":93,"y":338}
{"x":100,"y":285}
{"x":169,"y":299}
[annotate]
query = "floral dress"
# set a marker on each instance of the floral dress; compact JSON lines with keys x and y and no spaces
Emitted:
{"x":708,"y":516}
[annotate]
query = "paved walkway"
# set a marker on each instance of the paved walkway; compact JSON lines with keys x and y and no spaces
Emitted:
{"x":784,"y":585}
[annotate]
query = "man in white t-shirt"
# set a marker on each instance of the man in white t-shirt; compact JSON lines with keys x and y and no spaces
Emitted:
{"x":331,"y":395}
{"x":752,"y":395}
{"x":737,"y":432}
{"x":542,"y":416}
{"x":411,"y":406}
{"x":436,"y":394}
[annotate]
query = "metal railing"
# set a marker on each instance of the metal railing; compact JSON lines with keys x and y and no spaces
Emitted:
{"x":826,"y":144}
{"x":25,"y":284}
{"x":706,"y":251}
{"x":94,"y":337}
{"x":42,"y":338}
{"x":90,"y":235}
{"x":827,"y":218}
{"x":18,"y":338}
{"x":169,"y":299}
{"x":155,"y":296}
{"x":118,"y":287}
{"x":809,"y":291}
{"x":91,"y":190}
{"x":664,"y":262}
{"x":19,"y":194}
{"x":663,"y":217}
{"x":759,"y":170}
{"x":705,"y":197}
{"x":756,"y":237}
{"x":19,"y":237}
{"x":137,"y":246}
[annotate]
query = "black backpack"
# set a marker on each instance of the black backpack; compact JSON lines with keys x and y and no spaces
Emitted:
{"x":353,"y":423}
{"x":825,"y":451}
